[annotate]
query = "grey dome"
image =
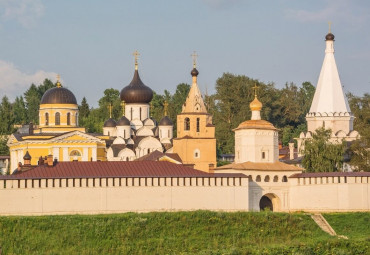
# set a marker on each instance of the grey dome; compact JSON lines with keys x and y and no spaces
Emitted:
{"x":110,"y":123}
{"x":123,"y":121}
{"x":165,"y":121}
{"x":58,"y":95}
{"x":136,"y":91}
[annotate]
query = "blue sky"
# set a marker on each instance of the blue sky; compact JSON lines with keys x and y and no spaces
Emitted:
{"x":90,"y":43}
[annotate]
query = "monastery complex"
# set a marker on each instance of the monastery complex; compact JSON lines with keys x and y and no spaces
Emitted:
{"x":138,"y":165}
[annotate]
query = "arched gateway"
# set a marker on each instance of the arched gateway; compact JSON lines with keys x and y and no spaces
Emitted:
{"x":270,"y":202}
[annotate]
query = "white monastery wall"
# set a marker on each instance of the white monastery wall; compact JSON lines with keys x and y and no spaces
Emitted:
{"x":114,"y":195}
{"x":334,"y":194}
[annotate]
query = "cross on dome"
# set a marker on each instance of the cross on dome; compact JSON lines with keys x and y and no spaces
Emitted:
{"x":165,"y":106}
{"x":136,"y":54}
{"x":194,"y":56}
{"x":58,"y":81}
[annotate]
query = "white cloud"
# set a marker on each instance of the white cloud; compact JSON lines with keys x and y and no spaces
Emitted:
{"x":333,"y":10}
{"x":14,"y":82}
{"x":25,"y":12}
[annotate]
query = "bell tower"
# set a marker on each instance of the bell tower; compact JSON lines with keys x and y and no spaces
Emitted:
{"x":195,"y":142}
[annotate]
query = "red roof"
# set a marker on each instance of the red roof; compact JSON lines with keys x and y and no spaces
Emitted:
{"x":113,"y":169}
{"x":331,"y":174}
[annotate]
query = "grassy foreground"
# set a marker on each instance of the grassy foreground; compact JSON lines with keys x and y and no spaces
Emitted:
{"x":199,"y":232}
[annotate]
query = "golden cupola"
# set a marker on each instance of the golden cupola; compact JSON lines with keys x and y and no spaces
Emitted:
{"x":255,"y":105}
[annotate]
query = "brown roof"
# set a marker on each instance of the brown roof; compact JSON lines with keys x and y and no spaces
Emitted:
{"x":332,"y":174}
{"x":156,"y":155}
{"x":4,"y":157}
{"x":113,"y":169}
{"x":277,"y":166}
{"x":256,"y":124}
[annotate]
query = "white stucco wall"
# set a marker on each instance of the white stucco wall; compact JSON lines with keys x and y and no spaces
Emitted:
{"x":114,"y":195}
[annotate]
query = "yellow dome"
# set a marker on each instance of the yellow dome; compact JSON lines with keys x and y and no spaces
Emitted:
{"x":255,"y":105}
{"x":256,"y":124}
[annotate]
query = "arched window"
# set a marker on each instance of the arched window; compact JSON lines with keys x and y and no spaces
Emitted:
{"x":76,"y":119}
{"x":196,"y":153}
{"x":263,"y":155}
{"x":75,"y":153}
{"x":127,"y":159}
{"x":131,"y":112}
{"x":46,"y":119}
{"x":57,"y":118}
{"x":276,"y":178}
{"x":258,"y":178}
{"x":168,"y":133}
{"x":198,"y":124}
{"x":68,"y":118}
{"x":187,"y":124}
{"x":267,"y":178}
{"x":140,"y":113}
{"x":285,"y":179}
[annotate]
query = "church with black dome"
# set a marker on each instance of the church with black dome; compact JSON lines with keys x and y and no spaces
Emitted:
{"x":136,"y":133}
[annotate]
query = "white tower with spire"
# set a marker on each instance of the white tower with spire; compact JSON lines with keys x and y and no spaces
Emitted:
{"x":329,"y":108}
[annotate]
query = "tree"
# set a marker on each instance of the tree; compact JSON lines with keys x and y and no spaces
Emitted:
{"x":6,"y":117}
{"x":4,"y":149}
{"x":19,"y":111}
{"x":360,"y":149}
{"x":111,"y":97}
{"x":84,"y":111}
{"x":321,"y":155}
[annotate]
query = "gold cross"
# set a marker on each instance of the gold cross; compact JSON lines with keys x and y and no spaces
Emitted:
{"x":58,"y":81}
{"x":110,"y":110}
{"x":194,"y":56}
{"x":136,"y":55}
{"x":255,"y":89}
{"x":123,"y":108}
{"x":329,"y":26}
{"x":165,"y":106}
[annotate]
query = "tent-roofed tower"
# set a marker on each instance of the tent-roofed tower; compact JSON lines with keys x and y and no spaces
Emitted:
{"x":195,"y":142}
{"x":329,"y":107}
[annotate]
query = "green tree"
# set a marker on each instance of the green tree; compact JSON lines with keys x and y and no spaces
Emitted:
{"x":84,"y":111}
{"x":320,"y":155}
{"x":4,"y":149}
{"x":111,"y":96}
{"x":6,"y":116}
{"x":19,"y":111}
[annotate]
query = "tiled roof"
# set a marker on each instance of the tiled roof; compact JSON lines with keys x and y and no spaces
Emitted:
{"x":156,"y":155}
{"x":276,"y":166}
{"x":332,"y":174}
{"x":113,"y":169}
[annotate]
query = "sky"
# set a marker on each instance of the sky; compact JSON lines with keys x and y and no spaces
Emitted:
{"x":90,"y":42}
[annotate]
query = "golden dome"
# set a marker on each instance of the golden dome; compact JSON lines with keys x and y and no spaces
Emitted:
{"x":255,"y":105}
{"x":256,"y":124}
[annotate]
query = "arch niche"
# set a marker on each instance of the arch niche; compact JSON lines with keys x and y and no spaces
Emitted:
{"x":270,"y":202}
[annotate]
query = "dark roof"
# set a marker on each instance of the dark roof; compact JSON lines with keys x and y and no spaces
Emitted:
{"x":194,"y":72}
{"x":331,"y":174}
{"x":166,"y":121}
{"x":113,"y":169}
{"x":156,"y":155}
{"x":110,"y":123}
{"x":4,"y":157}
{"x":136,"y":91}
{"x":329,"y":37}
{"x":58,"y":96}
{"x":27,"y":156}
{"x":123,"y":121}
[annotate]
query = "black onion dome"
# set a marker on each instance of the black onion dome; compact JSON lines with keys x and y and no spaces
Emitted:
{"x":58,"y":96}
{"x":123,"y":121}
{"x":194,"y":72}
{"x":165,"y":121}
{"x":110,"y":123}
{"x":27,"y":156}
{"x":329,"y":37}
{"x":136,"y":91}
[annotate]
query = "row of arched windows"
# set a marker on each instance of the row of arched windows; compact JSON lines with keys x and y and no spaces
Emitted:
{"x":57,"y":119}
{"x":275,"y":179}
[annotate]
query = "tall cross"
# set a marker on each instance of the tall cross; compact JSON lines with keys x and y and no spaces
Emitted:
{"x":151,"y":109}
{"x":123,"y":108}
{"x":255,"y":89}
{"x":58,"y":81}
{"x":329,"y":26}
{"x":136,"y":55}
{"x":194,"y":56}
{"x":110,"y":110}
{"x":165,"y":106}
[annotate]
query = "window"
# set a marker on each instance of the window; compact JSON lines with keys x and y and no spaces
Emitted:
{"x":75,"y":153}
{"x":198,"y":124}
{"x":258,"y":178}
{"x":263,"y":155}
{"x":131,"y":112}
{"x":148,"y":151}
{"x":285,"y":179}
{"x":140,"y":113}
{"x":276,"y":178}
{"x":187,"y":124}
{"x":76,"y":119}
{"x":267,"y":178}
{"x":168,"y":133}
{"x":57,"y":118}
{"x":196,"y":153}
{"x":46,"y":119}
{"x":68,"y":118}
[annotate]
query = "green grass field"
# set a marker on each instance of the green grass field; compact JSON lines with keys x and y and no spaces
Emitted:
{"x":199,"y":232}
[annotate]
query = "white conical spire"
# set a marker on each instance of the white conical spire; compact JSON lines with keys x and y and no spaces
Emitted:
{"x":329,"y":96}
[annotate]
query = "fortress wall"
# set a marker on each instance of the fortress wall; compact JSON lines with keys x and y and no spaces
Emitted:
{"x":330,"y":194}
{"x":114,"y":195}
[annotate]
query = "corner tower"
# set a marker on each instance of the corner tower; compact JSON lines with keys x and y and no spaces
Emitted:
{"x":195,"y":142}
